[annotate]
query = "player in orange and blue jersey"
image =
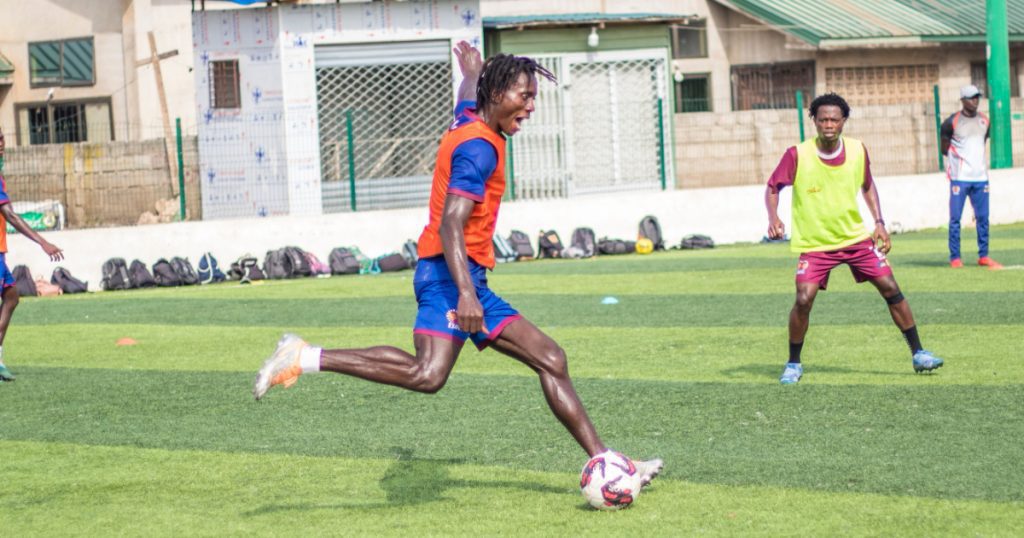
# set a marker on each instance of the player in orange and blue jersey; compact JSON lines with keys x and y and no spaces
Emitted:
{"x":456,"y":250}
{"x":9,"y":296}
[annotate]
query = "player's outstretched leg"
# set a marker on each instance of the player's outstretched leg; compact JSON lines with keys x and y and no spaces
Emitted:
{"x":922,"y":360}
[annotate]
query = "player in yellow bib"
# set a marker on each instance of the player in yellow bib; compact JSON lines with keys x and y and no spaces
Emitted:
{"x":826,"y":174}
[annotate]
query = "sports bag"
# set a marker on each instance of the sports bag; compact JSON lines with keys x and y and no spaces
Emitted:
{"x":615,"y":246}
{"x":521,"y":244}
{"x":549,"y":245}
{"x":46,"y":289}
{"x":62,"y":277}
{"x":164,"y":274}
{"x":115,"y":275}
{"x":209,"y":271}
{"x":300,"y":265}
{"x":409,"y":252}
{"x":584,"y":243}
{"x":23,"y":281}
{"x":139,"y":276}
{"x":185,"y":271}
{"x":246,"y":269}
{"x":316,"y":267}
{"x":391,"y":262}
{"x":697,"y":241}
{"x":343,"y":261}
{"x":277,"y":265}
{"x":651,"y":229}
{"x":503,"y":251}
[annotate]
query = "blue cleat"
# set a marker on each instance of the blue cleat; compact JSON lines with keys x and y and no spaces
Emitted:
{"x":924,"y":361}
{"x":5,"y":374}
{"x":793,"y":372}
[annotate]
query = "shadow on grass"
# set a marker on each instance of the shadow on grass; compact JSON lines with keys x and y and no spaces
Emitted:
{"x":772,"y":371}
{"x":411,"y":481}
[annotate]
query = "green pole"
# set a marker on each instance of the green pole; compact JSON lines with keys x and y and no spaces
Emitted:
{"x":800,"y":112}
{"x":351,"y":160}
{"x":999,"y":84}
{"x":661,"y":142}
{"x":511,"y":170}
{"x":181,"y":171}
{"x":938,"y":126}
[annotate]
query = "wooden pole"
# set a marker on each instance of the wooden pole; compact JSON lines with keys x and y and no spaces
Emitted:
{"x":172,"y":164}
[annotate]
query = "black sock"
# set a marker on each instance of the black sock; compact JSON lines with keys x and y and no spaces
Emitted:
{"x":912,"y":339}
{"x":794,"y":351}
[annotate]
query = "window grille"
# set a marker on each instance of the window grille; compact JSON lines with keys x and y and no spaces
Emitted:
{"x":224,"y":89}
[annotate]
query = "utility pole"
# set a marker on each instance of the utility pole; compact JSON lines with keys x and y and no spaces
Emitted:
{"x":998,"y":55}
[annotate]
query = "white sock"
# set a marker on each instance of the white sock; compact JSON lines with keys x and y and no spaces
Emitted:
{"x":1,"y":355}
{"x":309,"y":358}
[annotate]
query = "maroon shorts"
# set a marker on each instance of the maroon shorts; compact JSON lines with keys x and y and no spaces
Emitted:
{"x":866,"y":263}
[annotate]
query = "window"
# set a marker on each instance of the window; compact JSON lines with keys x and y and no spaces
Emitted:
{"x":690,"y":41}
{"x":61,"y":63}
{"x":224,"y":92}
{"x":883,"y":85}
{"x":771,"y":86}
{"x":979,"y":77}
{"x":64,"y":122}
{"x":693,"y":93}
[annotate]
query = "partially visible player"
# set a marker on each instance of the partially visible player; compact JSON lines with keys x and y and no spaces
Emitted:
{"x":826,"y":173}
{"x":456,"y":250}
{"x":9,"y":297}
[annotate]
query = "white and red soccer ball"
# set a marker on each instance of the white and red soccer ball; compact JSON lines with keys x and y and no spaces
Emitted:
{"x":610,"y":481}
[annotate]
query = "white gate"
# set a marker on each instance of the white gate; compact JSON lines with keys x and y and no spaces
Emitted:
{"x":604,"y":128}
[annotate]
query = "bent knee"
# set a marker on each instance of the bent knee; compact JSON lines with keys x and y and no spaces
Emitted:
{"x":553,"y":361}
{"x":427,"y":381}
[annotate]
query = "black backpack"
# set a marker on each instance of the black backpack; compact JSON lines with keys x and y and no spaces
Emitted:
{"x":115,"y":275}
{"x":300,"y":263}
{"x":139,"y":276}
{"x":650,"y":229}
{"x":246,"y":269}
{"x":697,"y":241}
{"x":584,"y":243}
{"x":23,"y":281}
{"x":521,"y":244}
{"x":503,"y":251}
{"x":410,"y":253}
{"x":209,"y":271}
{"x":391,"y":262}
{"x":549,"y":245}
{"x":615,"y":246}
{"x":62,"y":277}
{"x":277,"y":265}
{"x":185,"y":271}
{"x":164,"y":274}
{"x":343,"y":262}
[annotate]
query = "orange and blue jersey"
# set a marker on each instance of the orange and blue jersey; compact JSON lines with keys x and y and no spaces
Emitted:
{"x":4,"y":199}
{"x":471,"y":164}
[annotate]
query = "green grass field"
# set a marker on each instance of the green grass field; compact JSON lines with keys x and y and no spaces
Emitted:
{"x":163,"y":438}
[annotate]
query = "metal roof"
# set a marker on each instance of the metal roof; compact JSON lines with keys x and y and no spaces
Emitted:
{"x":835,"y":22}
{"x":582,"y":19}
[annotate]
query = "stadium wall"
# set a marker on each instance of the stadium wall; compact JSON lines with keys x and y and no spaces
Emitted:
{"x":728,"y":214}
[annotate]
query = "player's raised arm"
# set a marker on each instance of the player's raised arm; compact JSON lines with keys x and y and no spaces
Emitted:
{"x":470,"y":65}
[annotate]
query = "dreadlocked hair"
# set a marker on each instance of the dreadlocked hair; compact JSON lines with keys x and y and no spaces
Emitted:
{"x":828,"y":99}
{"x":501,"y":72}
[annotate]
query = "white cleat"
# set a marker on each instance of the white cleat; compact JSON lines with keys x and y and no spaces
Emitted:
{"x":282,"y":368}
{"x":648,"y":470}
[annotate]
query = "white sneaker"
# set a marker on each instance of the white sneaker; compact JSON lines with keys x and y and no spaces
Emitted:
{"x":282,"y":368}
{"x":648,"y":470}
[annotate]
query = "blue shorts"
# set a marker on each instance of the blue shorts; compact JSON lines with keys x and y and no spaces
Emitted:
{"x":6,"y":278}
{"x":438,"y":299}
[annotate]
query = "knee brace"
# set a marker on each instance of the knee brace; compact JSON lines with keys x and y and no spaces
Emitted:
{"x":895,"y":299}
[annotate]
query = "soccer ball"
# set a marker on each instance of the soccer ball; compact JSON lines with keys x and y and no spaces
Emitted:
{"x":644,"y":246}
{"x":610,"y":481}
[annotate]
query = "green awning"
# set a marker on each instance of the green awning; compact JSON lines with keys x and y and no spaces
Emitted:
{"x":854,"y":23}
{"x":6,"y":70}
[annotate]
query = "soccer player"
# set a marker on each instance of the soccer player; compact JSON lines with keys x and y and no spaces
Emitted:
{"x":963,"y":142}
{"x":455,"y":251}
{"x":9,"y":295}
{"x":826,"y":172}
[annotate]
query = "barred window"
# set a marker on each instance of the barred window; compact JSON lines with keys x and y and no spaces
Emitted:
{"x":693,"y":93}
{"x":224,"y":88}
{"x":979,"y":77}
{"x":771,"y":85}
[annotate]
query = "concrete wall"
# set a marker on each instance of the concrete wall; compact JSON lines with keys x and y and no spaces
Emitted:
{"x":729,"y":214}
